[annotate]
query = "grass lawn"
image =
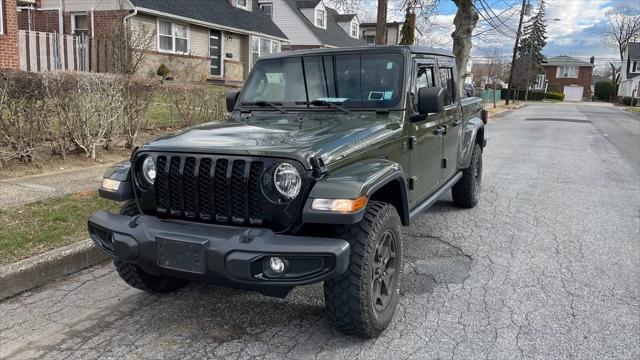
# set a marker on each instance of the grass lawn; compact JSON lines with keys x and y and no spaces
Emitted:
{"x":44,"y":225}
{"x":634,"y":109}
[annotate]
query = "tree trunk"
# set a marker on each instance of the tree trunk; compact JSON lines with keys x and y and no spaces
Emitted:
{"x":464,"y":21}
{"x":381,"y":25}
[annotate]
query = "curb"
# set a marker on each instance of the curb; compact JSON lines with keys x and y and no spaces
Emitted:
{"x":41,"y":269}
{"x":506,"y":111}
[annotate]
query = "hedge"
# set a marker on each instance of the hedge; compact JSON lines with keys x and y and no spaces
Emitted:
{"x":603,"y":90}
{"x":555,"y":95}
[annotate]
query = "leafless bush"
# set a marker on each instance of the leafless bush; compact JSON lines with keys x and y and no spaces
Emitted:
{"x":22,"y":120}
{"x":86,"y":106}
{"x":137,"y":96}
{"x":195,"y":104}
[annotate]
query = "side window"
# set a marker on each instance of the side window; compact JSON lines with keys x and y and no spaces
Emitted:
{"x":447,"y":82}
{"x":424,"y":78}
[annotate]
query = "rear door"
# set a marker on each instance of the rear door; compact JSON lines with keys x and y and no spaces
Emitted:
{"x":452,"y":117}
{"x":425,"y":143}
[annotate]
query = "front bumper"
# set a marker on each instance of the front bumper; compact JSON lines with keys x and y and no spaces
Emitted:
{"x":239,"y":256}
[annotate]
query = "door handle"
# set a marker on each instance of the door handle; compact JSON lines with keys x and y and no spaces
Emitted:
{"x":440,"y":131}
{"x":457,"y":122}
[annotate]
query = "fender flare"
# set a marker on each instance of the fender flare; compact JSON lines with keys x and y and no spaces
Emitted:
{"x":472,"y":133}
{"x":355,"y":180}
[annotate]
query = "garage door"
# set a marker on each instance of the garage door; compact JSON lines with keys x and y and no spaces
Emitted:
{"x":573,"y":93}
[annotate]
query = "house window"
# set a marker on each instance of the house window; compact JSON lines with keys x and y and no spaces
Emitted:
{"x":321,"y":18}
{"x":539,"y":85}
{"x":173,"y":37}
{"x":267,"y":9}
{"x":263,"y":46}
{"x":79,"y":24}
{"x":567,"y":72}
{"x":241,"y":3}
{"x":635,"y":67}
{"x":354,"y":30}
{"x":371,"y":40}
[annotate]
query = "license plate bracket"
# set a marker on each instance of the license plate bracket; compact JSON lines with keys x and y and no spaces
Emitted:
{"x":182,"y":255}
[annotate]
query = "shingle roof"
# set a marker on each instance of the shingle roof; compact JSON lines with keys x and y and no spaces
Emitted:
{"x":345,"y":17}
{"x":634,"y":50}
{"x":305,"y":4}
{"x":333,"y":35}
{"x":219,"y":12}
{"x":564,"y":60}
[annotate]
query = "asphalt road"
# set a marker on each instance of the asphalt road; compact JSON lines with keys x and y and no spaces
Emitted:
{"x":547,"y":266}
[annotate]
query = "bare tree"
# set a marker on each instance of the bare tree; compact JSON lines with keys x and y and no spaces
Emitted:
{"x":465,"y":21}
{"x":494,"y":69}
{"x":624,"y":25}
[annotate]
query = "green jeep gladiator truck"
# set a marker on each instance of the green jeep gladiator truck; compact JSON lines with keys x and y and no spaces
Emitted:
{"x":325,"y":154}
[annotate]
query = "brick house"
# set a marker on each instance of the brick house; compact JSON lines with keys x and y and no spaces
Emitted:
{"x":216,"y":40}
{"x":8,"y":35}
{"x":573,"y":76}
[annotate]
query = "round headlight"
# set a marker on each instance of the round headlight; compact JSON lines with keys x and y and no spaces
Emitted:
{"x":149,"y":170}
{"x":287,"y":181}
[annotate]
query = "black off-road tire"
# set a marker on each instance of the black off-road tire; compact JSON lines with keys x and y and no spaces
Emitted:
{"x":348,"y":298}
{"x":466,"y":191}
{"x":138,"y":278}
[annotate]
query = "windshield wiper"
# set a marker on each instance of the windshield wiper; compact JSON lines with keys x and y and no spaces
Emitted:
{"x":326,"y":103}
{"x":263,"y":103}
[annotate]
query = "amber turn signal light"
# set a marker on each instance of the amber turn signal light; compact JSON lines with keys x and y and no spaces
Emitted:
{"x":340,"y":205}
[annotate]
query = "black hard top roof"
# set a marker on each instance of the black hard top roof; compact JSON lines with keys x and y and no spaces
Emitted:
{"x":399,"y":48}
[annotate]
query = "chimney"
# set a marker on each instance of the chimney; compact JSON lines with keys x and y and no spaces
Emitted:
{"x":592,"y":60}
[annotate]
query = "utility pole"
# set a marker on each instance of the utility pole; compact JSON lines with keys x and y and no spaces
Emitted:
{"x":515,"y":51}
{"x":381,"y":23}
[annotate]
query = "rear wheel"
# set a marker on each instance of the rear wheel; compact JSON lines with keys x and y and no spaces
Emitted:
{"x":466,"y":191}
{"x":138,"y":278}
{"x":362,"y":301}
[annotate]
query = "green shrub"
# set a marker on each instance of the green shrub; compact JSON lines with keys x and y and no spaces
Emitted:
{"x":627,"y":101}
{"x":536,"y":95}
{"x":163,"y":71}
{"x":603,"y":90}
{"x":554,"y":88}
{"x":555,"y":95}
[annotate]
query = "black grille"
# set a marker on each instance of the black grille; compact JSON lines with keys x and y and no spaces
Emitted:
{"x":225,"y":190}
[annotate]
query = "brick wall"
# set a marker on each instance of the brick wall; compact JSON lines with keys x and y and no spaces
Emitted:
{"x":9,"y":37}
{"x":584,"y":79}
{"x":47,"y":21}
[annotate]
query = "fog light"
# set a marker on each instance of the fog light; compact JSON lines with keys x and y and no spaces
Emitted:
{"x":276,"y":264}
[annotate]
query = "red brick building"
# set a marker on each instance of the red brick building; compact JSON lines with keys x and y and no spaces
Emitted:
{"x":8,"y":35}
{"x":90,"y":18}
{"x":571,"y":75}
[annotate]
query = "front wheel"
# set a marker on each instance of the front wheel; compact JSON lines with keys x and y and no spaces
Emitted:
{"x":466,"y":191}
{"x":362,"y":301}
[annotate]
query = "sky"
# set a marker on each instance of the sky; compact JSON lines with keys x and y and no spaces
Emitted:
{"x":576,"y":29}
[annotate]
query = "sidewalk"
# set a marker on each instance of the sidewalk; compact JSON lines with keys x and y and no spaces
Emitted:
{"x":23,"y":190}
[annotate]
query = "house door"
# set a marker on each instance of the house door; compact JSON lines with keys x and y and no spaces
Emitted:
{"x":215,"y":52}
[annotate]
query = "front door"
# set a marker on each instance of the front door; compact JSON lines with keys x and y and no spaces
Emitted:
{"x":215,"y":52}
{"x":425,"y":142}
{"x":452,"y":118}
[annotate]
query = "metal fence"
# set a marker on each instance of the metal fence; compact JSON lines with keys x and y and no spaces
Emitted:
{"x":41,"y":51}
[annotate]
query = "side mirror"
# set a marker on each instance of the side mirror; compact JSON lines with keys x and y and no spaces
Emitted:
{"x":430,"y":100}
{"x":232,"y":97}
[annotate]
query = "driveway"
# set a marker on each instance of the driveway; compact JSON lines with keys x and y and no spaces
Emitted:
{"x":546,"y":266}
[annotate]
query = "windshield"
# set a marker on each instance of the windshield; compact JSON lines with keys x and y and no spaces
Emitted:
{"x":354,"y":81}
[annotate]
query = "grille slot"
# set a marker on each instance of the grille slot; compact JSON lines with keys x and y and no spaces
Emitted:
{"x":161,"y":184}
{"x":175,"y":186}
{"x":239,"y":211}
{"x":221,"y":190}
